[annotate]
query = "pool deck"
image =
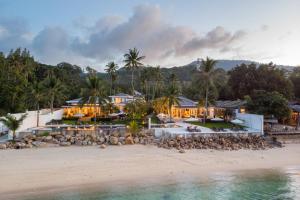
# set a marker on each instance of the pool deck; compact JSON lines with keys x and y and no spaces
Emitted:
{"x":181,"y":129}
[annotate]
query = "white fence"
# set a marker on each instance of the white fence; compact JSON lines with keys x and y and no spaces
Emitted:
{"x":254,"y":122}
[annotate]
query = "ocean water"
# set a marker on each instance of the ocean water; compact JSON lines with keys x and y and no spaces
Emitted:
{"x":252,"y":185}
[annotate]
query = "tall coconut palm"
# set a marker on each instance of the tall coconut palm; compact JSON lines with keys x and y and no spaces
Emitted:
{"x":111,"y":69}
{"x":12,"y":123}
{"x":55,"y":90}
{"x":171,"y":99}
{"x":93,"y":93}
{"x":36,"y":96}
{"x":158,"y":79}
{"x":207,"y":68}
{"x":133,"y":62}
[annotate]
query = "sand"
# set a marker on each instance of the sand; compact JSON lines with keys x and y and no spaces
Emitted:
{"x":31,"y":171}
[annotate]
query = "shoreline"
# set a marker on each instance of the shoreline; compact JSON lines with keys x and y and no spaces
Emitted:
{"x":35,"y":171}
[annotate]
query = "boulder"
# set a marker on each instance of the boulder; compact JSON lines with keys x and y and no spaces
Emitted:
{"x":102,"y":139}
{"x":129,"y":140}
{"x":113,"y":140}
{"x":48,"y":139}
{"x":136,"y":140}
{"x":28,"y":146}
{"x":181,"y":151}
{"x":3,"y":146}
{"x":65,"y":144}
{"x":39,"y":144}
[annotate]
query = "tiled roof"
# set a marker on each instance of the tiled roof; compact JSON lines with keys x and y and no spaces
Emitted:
{"x":121,"y":95}
{"x":77,"y":101}
{"x":230,"y":104}
{"x":295,"y":107}
{"x":185,"y":102}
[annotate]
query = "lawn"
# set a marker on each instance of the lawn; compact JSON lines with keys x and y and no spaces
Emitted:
{"x":215,"y":124}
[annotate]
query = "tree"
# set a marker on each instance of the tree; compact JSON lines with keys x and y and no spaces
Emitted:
{"x":137,"y":109}
{"x":109,"y":107}
{"x":93,"y":93}
{"x":171,"y":98}
{"x":295,"y":78}
{"x":268,"y":104}
{"x":36,"y":95}
{"x":133,"y":62}
{"x":55,"y":90}
{"x":244,"y":79}
{"x":206,"y":71}
{"x":111,"y":69}
{"x":12,"y":123}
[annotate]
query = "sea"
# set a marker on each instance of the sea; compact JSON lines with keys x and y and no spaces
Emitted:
{"x":273,"y":184}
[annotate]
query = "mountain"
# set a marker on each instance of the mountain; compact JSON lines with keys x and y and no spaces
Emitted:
{"x":184,"y":73}
{"x":229,"y":64}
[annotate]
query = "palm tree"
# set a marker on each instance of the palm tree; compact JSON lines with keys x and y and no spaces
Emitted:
{"x":111,"y":69}
{"x":55,"y":90}
{"x":158,"y":79}
{"x":93,"y":93}
{"x":108,"y":106}
{"x":12,"y":123}
{"x":171,"y":99}
{"x":207,"y":67}
{"x":37,"y":96}
{"x":133,"y":62}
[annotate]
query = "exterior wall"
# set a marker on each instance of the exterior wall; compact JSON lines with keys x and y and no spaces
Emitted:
{"x":3,"y":128}
{"x":252,"y":121}
{"x":31,"y":120}
{"x":88,"y":111}
{"x":178,"y":112}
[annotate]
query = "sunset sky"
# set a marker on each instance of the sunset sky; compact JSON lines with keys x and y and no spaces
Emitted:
{"x":167,"y":32}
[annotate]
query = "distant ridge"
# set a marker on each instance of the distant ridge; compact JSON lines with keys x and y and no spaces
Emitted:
{"x":229,"y":64}
{"x":184,"y":73}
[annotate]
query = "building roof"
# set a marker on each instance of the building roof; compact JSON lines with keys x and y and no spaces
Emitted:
{"x":78,"y":101}
{"x":230,"y":104}
{"x":295,"y":108}
{"x":121,"y":95}
{"x":185,"y":102}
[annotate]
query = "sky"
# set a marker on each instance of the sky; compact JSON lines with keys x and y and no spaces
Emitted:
{"x":168,"y":32}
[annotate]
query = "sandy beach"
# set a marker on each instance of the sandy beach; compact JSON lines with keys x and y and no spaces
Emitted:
{"x":35,"y":170}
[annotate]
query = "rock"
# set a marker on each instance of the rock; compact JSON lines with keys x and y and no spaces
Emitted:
{"x":3,"y":146}
{"x":39,"y":144}
{"x":84,"y":143}
{"x":65,"y":144}
{"x":48,"y":138}
{"x":102,"y":139}
{"x":28,"y":146}
{"x":119,"y":144}
{"x":122,"y":139}
{"x":102,"y":146}
{"x":129,"y":140}
{"x":136,"y":140}
{"x":113,"y":140}
{"x":181,"y":151}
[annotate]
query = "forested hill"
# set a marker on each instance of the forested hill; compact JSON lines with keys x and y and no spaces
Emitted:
{"x":185,"y":72}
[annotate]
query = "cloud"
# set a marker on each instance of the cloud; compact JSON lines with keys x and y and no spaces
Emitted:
{"x":111,"y":36}
{"x":156,"y":39}
{"x":217,"y":38}
{"x":13,"y":33}
{"x":51,"y":45}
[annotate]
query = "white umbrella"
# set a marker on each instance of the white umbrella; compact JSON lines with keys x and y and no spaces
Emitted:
{"x":217,"y":119}
{"x":191,"y":119}
{"x":114,"y":114}
{"x":237,"y":121}
{"x":79,"y":115}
